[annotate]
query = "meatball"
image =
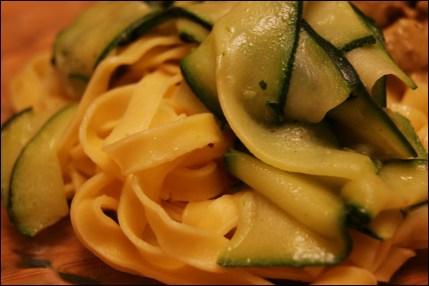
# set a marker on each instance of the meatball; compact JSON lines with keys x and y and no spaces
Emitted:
{"x":407,"y":41}
{"x":385,"y":12}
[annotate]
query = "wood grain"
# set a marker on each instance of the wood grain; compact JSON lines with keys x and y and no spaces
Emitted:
{"x":55,"y":256}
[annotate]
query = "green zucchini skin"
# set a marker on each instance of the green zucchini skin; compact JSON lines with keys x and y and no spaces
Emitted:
{"x":405,"y":126}
{"x":379,"y":47}
{"x":358,"y":102}
{"x":412,"y":191}
{"x":190,"y":32}
{"x":31,"y":205}
{"x":339,"y":115}
{"x":5,"y":167}
{"x":16,"y":132}
{"x":371,"y":24}
{"x":82,"y":71}
{"x":348,"y":72}
{"x":365,"y":41}
{"x":203,"y":82}
{"x":359,"y":118}
{"x":198,"y":70}
{"x":11,"y":119}
{"x":262,"y":91}
{"x":379,"y":92}
{"x":337,"y":22}
{"x":145,"y":24}
{"x":208,"y":11}
{"x":358,"y":218}
{"x":318,"y":66}
{"x":278,"y":107}
{"x":286,"y":191}
{"x":209,"y":96}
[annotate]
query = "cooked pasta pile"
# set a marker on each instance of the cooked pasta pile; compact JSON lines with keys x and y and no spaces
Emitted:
{"x":145,"y":149}
{"x":142,"y":165}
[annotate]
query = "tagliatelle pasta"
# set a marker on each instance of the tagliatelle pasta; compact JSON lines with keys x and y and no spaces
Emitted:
{"x":38,"y":86}
{"x":143,"y":147}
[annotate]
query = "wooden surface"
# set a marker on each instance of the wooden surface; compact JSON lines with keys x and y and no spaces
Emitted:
{"x":55,"y":256}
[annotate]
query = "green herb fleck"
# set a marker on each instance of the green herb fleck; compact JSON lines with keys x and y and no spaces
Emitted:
{"x":263,"y":85}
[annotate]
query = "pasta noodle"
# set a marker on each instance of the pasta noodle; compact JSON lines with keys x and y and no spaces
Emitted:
{"x":346,"y":275}
{"x":38,"y":86}
{"x":396,"y":257}
{"x":143,"y":147}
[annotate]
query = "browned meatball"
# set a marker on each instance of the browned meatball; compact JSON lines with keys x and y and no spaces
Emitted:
{"x":385,"y":12}
{"x":407,"y":42}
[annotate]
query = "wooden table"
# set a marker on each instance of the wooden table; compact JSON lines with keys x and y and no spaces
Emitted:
{"x":55,"y":256}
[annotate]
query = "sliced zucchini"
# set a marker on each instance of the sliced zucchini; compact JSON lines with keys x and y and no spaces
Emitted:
{"x":291,"y":146}
{"x":37,"y":198}
{"x":379,"y":92}
{"x":190,"y":31}
{"x":337,"y":22}
{"x":15,"y":133}
{"x":268,"y":236}
{"x":318,"y":66}
{"x":79,"y":47}
{"x":256,"y":43}
{"x":408,"y":178}
{"x":408,"y":131}
{"x":355,"y":34}
{"x":360,"y":121}
{"x":377,"y":210}
{"x":330,"y":75}
{"x":371,"y":24}
{"x":309,"y":203}
{"x":366,"y":197}
{"x":382,"y":227}
{"x":198,"y":69}
{"x":209,"y":12}
{"x":399,"y":185}
{"x":373,"y":62}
